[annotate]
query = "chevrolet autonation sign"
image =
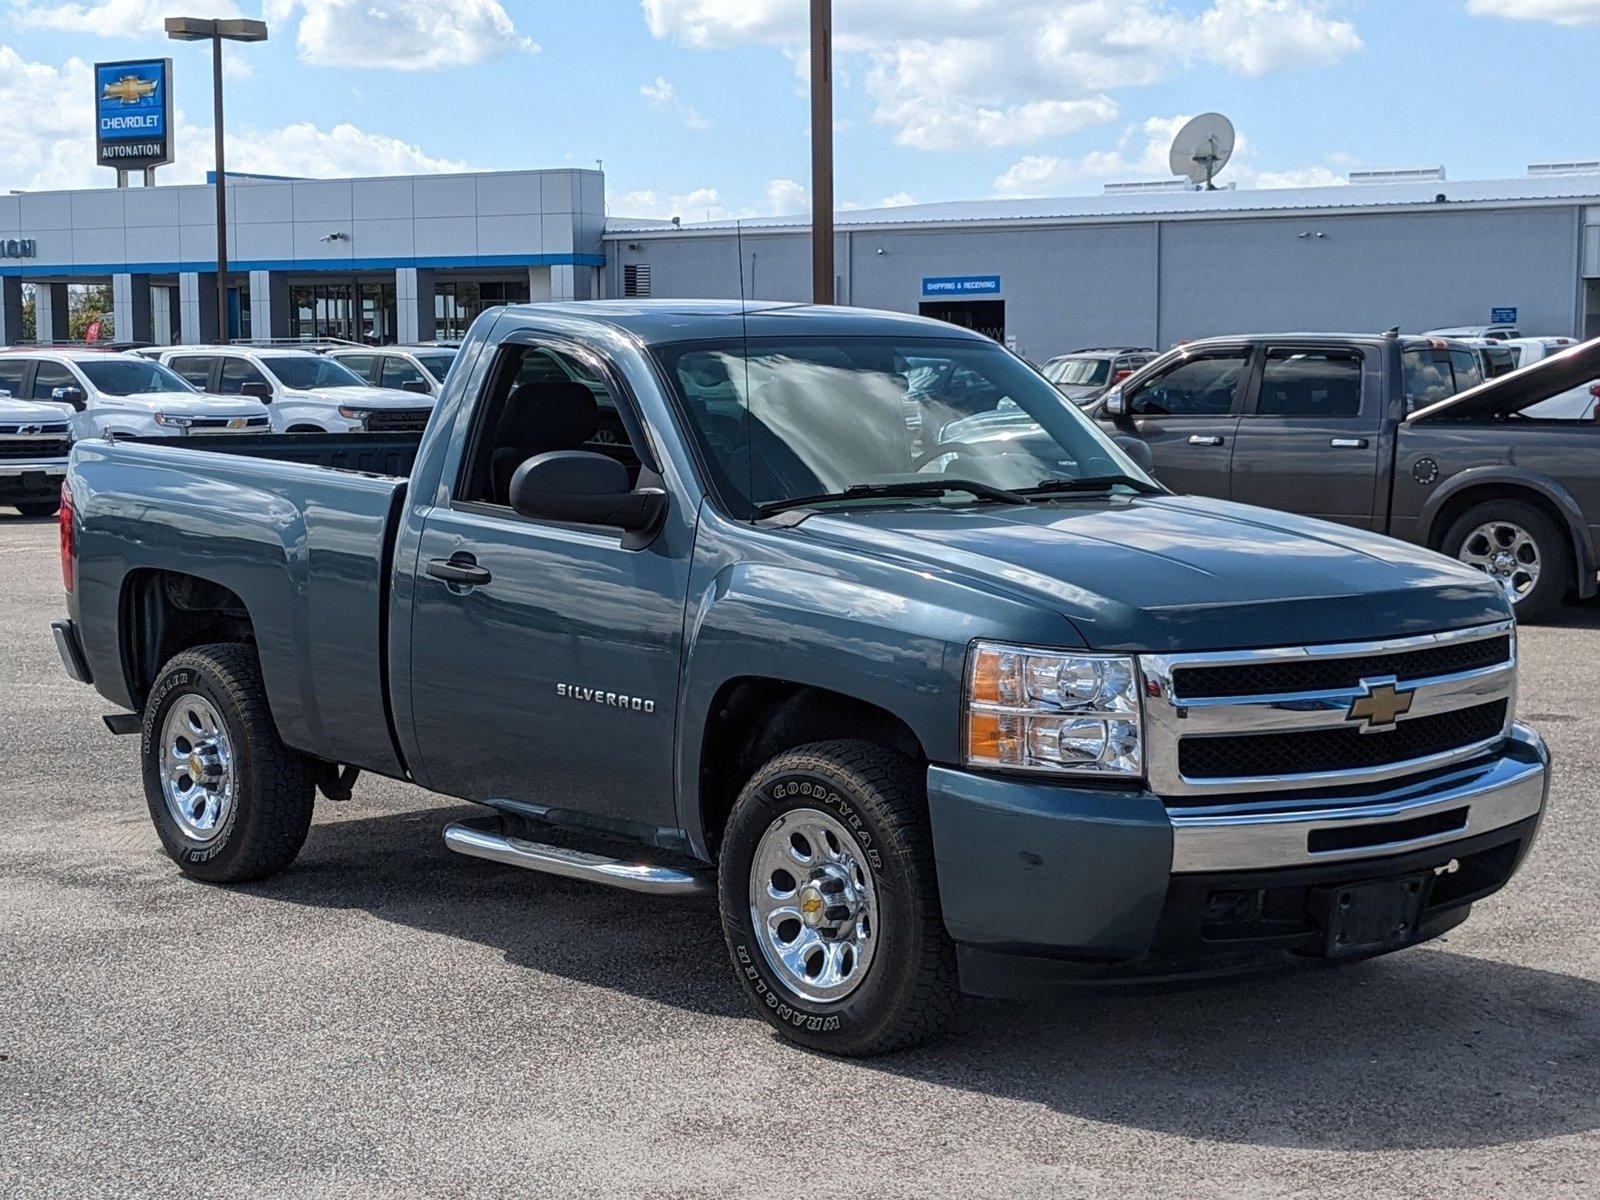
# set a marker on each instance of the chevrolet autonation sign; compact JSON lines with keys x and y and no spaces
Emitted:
{"x":133,"y":113}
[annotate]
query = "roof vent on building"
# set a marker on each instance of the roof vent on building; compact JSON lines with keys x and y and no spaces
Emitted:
{"x":1149,"y":185}
{"x":1581,"y":166}
{"x":1399,"y":175}
{"x":636,"y":280}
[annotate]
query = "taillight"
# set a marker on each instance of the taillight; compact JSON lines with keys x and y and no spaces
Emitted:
{"x":1121,"y":375}
{"x":69,"y":545}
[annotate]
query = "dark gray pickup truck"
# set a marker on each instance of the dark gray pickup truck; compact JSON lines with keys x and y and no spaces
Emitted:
{"x":695,"y":598}
{"x":1395,"y":434}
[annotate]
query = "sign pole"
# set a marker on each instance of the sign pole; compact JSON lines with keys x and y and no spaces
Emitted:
{"x":222,"y":194}
{"x":822,"y":272}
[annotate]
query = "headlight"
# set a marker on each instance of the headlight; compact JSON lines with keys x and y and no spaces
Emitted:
{"x":354,"y":414}
{"x":1054,"y":711}
{"x":174,"y":422}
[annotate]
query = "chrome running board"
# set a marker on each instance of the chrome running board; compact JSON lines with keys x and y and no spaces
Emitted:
{"x":485,"y":840}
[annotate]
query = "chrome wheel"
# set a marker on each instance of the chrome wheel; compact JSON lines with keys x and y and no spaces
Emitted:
{"x":1507,"y":553}
{"x":196,"y":768}
{"x":813,"y":906}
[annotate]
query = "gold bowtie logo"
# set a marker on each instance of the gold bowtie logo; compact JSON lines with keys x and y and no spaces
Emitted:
{"x":130,"y":89}
{"x":1381,"y":706}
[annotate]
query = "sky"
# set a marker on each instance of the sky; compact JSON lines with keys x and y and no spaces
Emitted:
{"x":698,"y":108}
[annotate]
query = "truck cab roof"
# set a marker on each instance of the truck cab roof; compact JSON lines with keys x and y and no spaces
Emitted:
{"x":658,"y":322}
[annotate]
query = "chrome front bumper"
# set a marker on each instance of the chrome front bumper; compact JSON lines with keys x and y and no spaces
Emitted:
{"x":53,"y":467}
{"x":1474,"y":799}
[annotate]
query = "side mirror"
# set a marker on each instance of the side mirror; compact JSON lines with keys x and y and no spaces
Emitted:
{"x":585,"y":488}
{"x":257,"y":389}
{"x":418,"y":386}
{"x":70,"y":395}
{"x":1139,"y":452}
{"x":1116,"y":406}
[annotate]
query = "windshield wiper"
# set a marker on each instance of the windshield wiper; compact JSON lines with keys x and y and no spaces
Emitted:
{"x":1090,"y":483}
{"x":910,"y":488}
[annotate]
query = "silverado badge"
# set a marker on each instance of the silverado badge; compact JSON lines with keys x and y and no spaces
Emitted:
{"x":1381,"y":706}
{"x":130,"y":89}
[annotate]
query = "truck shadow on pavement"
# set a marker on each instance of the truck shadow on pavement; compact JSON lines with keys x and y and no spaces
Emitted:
{"x":1425,"y":1049}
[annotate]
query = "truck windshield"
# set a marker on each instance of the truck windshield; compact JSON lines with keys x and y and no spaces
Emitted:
{"x":1079,"y":372}
{"x":783,"y":419}
{"x":130,"y":376}
{"x":312,"y":372}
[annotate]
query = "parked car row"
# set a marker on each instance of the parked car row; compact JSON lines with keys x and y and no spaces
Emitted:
{"x":52,"y":396}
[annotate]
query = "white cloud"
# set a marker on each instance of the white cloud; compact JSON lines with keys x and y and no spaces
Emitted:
{"x":107,"y":18}
{"x":898,"y":200}
{"x":403,"y":35}
{"x":785,"y":197}
{"x":779,"y":198}
{"x":1557,"y":12}
{"x":1141,"y":153}
{"x":306,"y":149}
{"x":983,"y":73}
{"x":663,"y":94}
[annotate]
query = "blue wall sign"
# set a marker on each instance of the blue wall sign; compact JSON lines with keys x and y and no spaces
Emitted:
{"x":957,"y":287}
{"x":1502,"y":316}
{"x":133,"y":113}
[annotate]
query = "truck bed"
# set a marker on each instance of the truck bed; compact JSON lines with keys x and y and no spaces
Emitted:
{"x":300,"y":528}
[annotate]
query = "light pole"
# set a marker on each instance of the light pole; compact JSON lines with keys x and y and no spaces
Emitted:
{"x":199,"y":29}
{"x":822,"y":151}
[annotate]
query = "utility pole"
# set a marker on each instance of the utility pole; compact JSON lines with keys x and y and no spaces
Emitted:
{"x":822,"y":272}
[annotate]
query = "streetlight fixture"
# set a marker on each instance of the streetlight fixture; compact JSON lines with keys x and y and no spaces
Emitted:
{"x":200,"y":29}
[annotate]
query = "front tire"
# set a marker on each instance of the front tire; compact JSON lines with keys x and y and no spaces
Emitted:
{"x":1520,"y":547}
{"x":229,"y":800}
{"x":830,"y":906}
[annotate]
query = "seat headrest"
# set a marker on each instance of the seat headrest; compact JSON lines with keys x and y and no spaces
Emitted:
{"x":554,"y":415}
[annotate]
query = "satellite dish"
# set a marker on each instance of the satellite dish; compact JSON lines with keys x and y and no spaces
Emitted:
{"x":1202,"y":148}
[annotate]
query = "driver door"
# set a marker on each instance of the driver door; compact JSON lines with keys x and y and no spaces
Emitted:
{"x":1189,"y":417}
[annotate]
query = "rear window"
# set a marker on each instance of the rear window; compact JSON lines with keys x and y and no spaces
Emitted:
{"x":1311,"y":383}
{"x":1433,"y":375}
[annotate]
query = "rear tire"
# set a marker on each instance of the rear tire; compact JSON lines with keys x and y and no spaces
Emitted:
{"x":40,"y":508}
{"x":229,"y":800}
{"x":1521,"y":547}
{"x":862,"y":897}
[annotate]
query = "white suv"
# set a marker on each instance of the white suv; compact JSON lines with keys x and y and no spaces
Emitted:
{"x":306,"y":392}
{"x":105,"y":392}
{"x":419,"y":369}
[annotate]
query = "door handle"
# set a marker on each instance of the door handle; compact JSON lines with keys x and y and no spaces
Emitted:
{"x":1348,"y":443}
{"x":1205,"y":439}
{"x":461,"y":569}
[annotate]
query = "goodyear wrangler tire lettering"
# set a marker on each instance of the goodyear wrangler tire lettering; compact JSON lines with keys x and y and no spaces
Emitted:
{"x":874,"y":798}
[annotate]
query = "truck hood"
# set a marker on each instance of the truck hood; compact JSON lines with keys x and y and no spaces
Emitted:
{"x":1171,"y":573}
{"x":29,"y":412}
{"x":191,"y":404}
{"x":365,"y":397}
{"x":1521,"y":389}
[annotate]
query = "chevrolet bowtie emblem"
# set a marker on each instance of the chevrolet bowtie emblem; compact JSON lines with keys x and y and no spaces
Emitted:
{"x":130,"y":89}
{"x":1381,"y":706}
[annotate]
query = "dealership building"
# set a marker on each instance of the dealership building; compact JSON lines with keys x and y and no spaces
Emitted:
{"x":405,"y":258}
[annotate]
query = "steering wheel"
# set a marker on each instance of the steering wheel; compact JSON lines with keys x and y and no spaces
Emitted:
{"x":976,"y":449}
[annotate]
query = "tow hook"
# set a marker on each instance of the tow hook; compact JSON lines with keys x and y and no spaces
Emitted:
{"x":337,"y":783}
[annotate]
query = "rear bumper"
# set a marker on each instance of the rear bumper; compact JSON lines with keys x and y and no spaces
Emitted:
{"x":1043,"y":885}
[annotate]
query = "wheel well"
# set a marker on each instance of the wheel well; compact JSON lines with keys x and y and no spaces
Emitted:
{"x":164,"y":613}
{"x":1451,"y":510}
{"x":753,"y":720}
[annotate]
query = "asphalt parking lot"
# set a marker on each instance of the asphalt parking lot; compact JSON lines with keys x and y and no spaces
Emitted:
{"x":387,"y":1018}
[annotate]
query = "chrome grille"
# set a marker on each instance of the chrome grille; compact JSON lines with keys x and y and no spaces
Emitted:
{"x":1288,"y":720}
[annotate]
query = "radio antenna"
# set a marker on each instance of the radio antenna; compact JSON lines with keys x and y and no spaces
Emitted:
{"x":744,"y":355}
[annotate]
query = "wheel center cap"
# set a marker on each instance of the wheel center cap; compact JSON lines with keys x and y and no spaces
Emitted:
{"x":813,"y":908}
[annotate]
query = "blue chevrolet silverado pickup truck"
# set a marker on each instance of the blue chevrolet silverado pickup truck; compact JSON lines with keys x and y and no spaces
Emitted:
{"x":695,"y":596}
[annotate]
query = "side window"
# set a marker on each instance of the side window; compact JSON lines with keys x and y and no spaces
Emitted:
{"x":51,"y":376}
{"x":236,"y":372}
{"x":1314,"y":383}
{"x":1201,"y":387}
{"x":399,"y":371}
{"x":1468,"y":372}
{"x":364,"y":365}
{"x":1427,"y":378}
{"x":538,"y":400}
{"x":12,"y":371}
{"x":194,"y":369}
